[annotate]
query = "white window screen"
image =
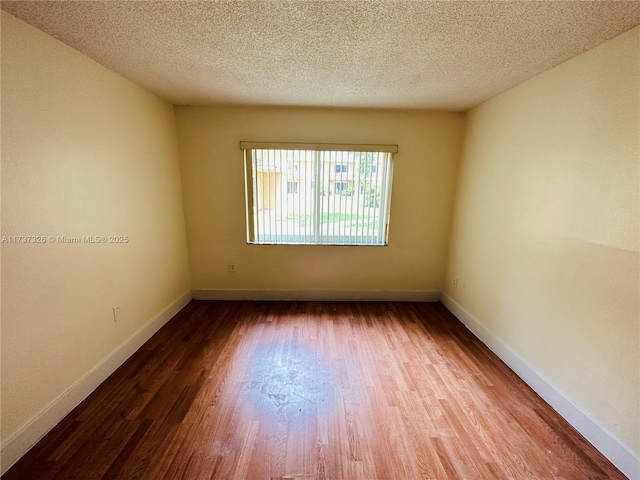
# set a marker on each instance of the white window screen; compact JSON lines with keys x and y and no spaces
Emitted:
{"x":318,"y":194}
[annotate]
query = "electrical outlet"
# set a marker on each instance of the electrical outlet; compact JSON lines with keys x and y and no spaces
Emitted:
{"x":455,"y":283}
{"x":116,"y":314}
{"x":232,"y":267}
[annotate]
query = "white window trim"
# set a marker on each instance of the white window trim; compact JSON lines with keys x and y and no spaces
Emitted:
{"x":342,"y":147}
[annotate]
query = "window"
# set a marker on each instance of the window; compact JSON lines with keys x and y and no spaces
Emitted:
{"x":326,"y":209}
{"x":341,"y":188}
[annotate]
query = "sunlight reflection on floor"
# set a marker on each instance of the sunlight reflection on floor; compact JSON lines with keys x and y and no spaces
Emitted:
{"x":288,"y":379}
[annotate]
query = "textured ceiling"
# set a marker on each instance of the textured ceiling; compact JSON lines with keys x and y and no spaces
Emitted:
{"x":447,"y":55}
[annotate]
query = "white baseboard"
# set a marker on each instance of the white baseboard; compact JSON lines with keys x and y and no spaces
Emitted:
{"x":617,"y":452}
{"x":318,"y":295}
{"x":20,"y":442}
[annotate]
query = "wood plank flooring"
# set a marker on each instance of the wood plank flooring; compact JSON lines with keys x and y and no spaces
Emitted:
{"x":313,"y":390}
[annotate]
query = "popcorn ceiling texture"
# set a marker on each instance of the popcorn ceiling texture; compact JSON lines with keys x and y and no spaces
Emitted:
{"x":449,"y":55}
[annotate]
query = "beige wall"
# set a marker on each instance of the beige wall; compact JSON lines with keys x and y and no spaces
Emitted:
{"x":84,"y":152}
{"x":545,"y":238}
{"x":213,"y":186}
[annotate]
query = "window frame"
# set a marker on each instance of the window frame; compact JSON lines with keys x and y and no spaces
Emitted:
{"x":383,"y":217}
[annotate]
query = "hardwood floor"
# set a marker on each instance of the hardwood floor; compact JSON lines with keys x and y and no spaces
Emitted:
{"x":313,"y":390}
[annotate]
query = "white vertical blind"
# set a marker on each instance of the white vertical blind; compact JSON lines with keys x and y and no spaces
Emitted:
{"x":300,"y":195}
